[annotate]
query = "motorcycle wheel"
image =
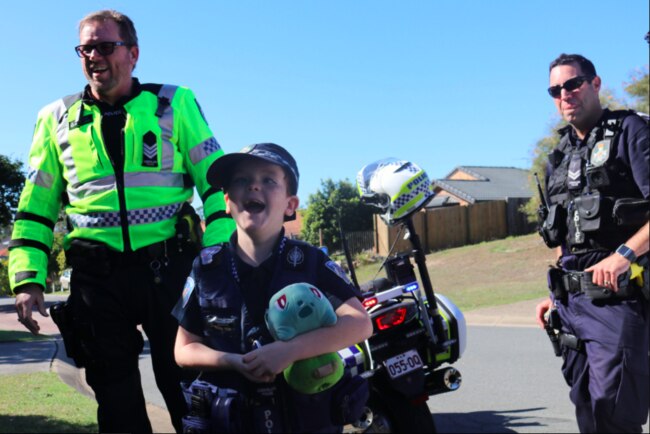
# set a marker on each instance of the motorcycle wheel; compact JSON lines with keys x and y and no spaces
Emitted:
{"x":394,"y":414}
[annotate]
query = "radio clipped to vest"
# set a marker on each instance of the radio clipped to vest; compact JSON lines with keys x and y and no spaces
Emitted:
{"x":551,"y":220}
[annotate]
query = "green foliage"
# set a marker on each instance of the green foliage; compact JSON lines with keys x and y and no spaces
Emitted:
{"x":4,"y":278}
{"x":11,"y":185}
{"x":639,"y":89}
{"x":323,"y":209}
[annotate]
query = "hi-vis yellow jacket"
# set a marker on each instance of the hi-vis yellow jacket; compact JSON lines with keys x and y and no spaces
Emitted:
{"x":167,"y":147}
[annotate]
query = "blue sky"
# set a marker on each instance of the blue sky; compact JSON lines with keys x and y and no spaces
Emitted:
{"x":339,"y":83}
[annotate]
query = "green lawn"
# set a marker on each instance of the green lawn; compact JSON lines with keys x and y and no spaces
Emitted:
{"x":41,"y":402}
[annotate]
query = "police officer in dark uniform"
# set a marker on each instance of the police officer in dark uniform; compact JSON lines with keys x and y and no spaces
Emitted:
{"x":221,"y":314}
{"x":597,"y":187}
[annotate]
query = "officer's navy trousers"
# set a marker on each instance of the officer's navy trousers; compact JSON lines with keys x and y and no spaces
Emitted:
{"x":609,"y":378}
{"x":108,"y":309}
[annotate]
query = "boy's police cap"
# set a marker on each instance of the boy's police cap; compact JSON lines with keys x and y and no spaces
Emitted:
{"x":220,"y":171}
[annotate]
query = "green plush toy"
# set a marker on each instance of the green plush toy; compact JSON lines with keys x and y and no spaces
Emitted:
{"x":296,"y":309}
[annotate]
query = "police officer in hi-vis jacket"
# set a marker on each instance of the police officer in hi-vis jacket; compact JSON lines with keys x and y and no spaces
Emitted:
{"x":122,"y":158}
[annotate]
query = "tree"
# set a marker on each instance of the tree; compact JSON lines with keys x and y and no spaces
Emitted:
{"x":639,"y":88}
{"x":323,"y":210}
{"x":11,"y":184}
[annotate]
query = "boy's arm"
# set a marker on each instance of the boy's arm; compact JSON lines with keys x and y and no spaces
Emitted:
{"x":191,"y":352}
{"x":352,"y":326}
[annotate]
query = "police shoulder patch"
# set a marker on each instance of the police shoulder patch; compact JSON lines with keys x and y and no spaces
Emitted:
{"x":338,"y":270}
{"x":208,"y":254}
{"x":600,"y":153}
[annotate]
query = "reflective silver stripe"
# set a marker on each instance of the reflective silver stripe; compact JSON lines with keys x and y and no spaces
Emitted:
{"x":96,"y":186}
{"x":134,"y":217}
{"x":62,"y":132}
{"x":166,"y":123}
{"x":40,"y":178}
{"x":204,"y":149}
{"x":137,"y":179}
{"x":153,"y":179}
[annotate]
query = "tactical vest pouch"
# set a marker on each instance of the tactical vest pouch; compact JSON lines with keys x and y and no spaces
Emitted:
{"x":631,"y":211}
{"x":553,"y":229}
{"x":589,"y":211}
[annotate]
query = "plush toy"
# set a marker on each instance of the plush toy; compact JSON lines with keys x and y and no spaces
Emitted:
{"x":296,"y":309}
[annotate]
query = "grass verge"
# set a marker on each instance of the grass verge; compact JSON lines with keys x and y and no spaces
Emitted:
{"x":17,"y":336}
{"x":41,"y":402}
{"x":486,"y":274}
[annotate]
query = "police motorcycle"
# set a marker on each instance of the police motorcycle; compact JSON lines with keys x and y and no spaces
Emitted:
{"x":417,"y":334}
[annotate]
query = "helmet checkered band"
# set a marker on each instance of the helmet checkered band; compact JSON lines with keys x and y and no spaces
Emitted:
{"x":403,"y":199}
{"x":134,"y":217}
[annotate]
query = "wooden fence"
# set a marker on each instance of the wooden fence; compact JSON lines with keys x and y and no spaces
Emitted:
{"x":445,"y":227}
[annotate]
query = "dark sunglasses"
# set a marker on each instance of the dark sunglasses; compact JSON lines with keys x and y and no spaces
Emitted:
{"x":103,"y":48}
{"x":569,"y":85}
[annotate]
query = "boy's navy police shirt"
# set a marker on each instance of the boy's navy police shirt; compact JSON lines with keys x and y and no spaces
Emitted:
{"x":255,"y":283}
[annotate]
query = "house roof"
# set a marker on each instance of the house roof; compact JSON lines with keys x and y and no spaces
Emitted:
{"x":489,"y":183}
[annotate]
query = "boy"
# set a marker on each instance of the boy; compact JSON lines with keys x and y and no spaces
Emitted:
{"x":221,"y":315}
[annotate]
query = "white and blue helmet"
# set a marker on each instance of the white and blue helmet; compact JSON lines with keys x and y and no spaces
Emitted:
{"x":398,"y":187}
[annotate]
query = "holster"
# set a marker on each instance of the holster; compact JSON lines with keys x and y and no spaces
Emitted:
{"x":61,"y":313}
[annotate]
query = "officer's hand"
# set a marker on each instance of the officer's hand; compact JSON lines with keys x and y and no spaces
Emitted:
{"x":541,"y":309}
{"x":606,"y":272}
{"x":31,"y":294}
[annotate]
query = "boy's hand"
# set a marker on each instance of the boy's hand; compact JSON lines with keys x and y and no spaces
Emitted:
{"x":236,"y":361}
{"x":272,"y":358}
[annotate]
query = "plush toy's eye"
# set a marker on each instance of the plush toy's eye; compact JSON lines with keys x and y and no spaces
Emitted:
{"x":316,"y":292}
{"x":281,"y":302}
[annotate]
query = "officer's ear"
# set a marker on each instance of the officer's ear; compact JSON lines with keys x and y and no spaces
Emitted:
{"x":596,"y":83}
{"x":134,"y":54}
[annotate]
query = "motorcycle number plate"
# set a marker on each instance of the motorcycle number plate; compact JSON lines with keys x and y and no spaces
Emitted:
{"x":403,"y":364}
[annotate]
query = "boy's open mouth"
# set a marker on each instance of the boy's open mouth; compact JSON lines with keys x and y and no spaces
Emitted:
{"x":254,"y":206}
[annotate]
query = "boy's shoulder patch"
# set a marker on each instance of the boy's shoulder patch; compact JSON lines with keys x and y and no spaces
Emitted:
{"x":187,"y":290}
{"x":209,"y":254}
{"x":338,"y":270}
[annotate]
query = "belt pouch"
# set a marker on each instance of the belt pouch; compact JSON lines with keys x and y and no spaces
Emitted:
{"x":556,"y":283}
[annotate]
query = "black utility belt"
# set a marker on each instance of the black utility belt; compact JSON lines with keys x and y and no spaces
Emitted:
{"x":92,"y":254}
{"x":563,"y":282}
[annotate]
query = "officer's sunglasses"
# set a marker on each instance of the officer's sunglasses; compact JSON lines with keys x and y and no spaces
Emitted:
{"x":570,"y":85}
{"x":103,"y":48}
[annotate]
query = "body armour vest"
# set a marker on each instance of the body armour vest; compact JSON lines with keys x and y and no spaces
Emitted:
{"x":227,"y":325}
{"x":594,"y":201}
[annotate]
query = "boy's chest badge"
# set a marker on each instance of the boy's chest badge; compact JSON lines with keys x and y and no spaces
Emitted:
{"x":295,"y":256}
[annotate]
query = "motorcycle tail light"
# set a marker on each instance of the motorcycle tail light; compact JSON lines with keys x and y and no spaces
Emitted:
{"x":390,"y":319}
{"x":369,"y":302}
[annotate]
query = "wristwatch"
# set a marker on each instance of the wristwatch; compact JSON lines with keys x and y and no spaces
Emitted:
{"x":626,"y":252}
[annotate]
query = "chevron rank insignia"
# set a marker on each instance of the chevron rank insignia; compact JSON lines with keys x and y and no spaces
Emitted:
{"x":149,"y":150}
